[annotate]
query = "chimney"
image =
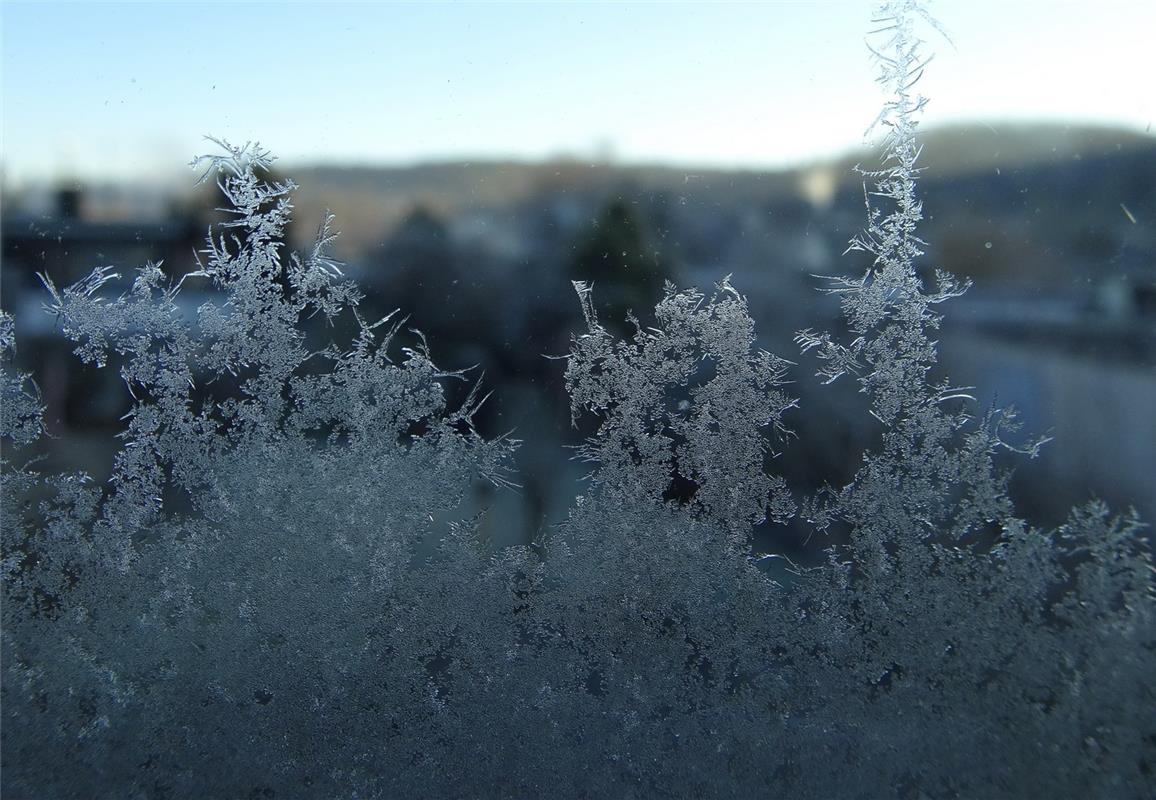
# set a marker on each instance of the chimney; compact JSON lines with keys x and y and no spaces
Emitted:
{"x":68,"y":200}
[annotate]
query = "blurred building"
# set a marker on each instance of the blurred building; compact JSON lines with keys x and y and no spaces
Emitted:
{"x":64,"y":239}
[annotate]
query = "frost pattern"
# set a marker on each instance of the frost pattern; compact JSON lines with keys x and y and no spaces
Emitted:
{"x":20,"y":413}
{"x":283,"y":593}
{"x":713,"y":434}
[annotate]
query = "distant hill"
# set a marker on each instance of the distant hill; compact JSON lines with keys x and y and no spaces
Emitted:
{"x":370,"y":201}
{"x":974,"y":147}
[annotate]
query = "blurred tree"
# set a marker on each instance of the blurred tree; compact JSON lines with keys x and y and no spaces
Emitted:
{"x":620,"y":254}
{"x":420,"y":270}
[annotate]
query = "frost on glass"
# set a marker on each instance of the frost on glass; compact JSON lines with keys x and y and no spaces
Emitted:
{"x":283,"y":592}
{"x":686,"y":400}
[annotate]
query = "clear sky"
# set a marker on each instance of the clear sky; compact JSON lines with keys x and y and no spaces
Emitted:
{"x":100,"y":90}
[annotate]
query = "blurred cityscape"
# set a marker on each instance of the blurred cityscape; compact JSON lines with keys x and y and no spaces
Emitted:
{"x":1055,"y":225}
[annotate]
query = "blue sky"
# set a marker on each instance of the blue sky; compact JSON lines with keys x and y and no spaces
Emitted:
{"x":99,"y":90}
